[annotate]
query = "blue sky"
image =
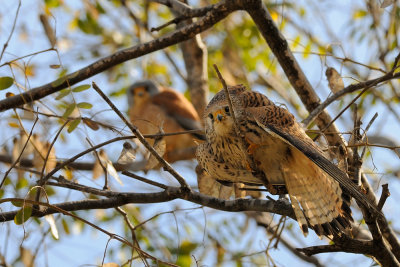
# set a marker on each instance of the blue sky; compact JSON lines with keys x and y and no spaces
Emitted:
{"x":87,"y":246}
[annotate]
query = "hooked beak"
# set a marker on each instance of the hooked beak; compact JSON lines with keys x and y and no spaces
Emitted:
{"x":218,"y":115}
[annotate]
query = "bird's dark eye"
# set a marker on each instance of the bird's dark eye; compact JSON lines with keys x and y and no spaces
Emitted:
{"x":211,"y":116}
{"x":227,"y":109}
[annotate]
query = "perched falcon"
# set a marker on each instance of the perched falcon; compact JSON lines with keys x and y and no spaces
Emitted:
{"x":278,"y":148}
{"x":152,"y":107}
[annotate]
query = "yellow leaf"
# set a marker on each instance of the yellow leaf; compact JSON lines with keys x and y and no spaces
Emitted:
{"x":13,"y":124}
{"x":274,"y":16}
{"x":30,"y":70}
{"x":359,"y":14}
{"x":68,"y":174}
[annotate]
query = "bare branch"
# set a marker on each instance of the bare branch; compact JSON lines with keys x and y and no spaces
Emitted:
{"x":349,"y":89}
{"x":12,"y":30}
{"x":219,"y":11}
{"x":17,"y":160}
{"x":139,"y":136}
{"x":118,"y":199}
{"x":384,"y":196}
{"x":288,"y":62}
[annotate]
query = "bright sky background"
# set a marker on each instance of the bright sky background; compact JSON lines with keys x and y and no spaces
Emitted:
{"x":87,"y":247}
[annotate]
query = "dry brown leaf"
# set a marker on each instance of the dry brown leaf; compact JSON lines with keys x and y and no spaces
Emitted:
{"x":26,"y":257}
{"x":127,"y":155}
{"x":40,"y":152}
{"x":91,"y":124}
{"x":98,"y":168}
{"x":110,"y":264}
{"x":51,"y":160}
{"x":160,"y":147}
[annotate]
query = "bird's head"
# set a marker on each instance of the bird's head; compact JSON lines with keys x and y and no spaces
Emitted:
{"x":218,"y":119}
{"x":218,"y":116}
{"x":141,"y":91}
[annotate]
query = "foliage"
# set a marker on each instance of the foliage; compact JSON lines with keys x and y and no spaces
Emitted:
{"x":358,"y":38}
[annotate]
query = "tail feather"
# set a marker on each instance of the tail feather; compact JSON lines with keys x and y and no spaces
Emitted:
{"x":301,"y":219}
{"x":316,"y":197}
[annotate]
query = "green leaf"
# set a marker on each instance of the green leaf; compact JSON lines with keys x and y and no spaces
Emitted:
{"x":63,"y":93}
{"x":65,"y":226}
{"x":6,"y":82}
{"x":59,"y":81}
{"x":17,"y":203}
{"x":85,"y":105}
{"x":73,"y":125}
{"x":70,"y":108}
{"x":23,"y":215}
{"x":21,"y":183}
{"x":81,"y":88}
{"x":52,"y":3}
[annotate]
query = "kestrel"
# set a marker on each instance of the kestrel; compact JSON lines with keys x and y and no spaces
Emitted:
{"x":152,"y":107}
{"x":276,"y":145}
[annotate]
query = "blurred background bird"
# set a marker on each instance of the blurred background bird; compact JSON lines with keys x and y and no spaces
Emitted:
{"x":154,"y":109}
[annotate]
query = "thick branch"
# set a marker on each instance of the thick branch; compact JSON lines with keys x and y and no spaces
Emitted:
{"x":195,"y":53}
{"x":217,"y":13}
{"x":347,"y":90}
{"x":288,"y":62}
{"x":119,"y":199}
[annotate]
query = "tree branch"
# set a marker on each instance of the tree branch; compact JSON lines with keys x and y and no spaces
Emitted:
{"x":118,"y":199}
{"x":349,"y":89}
{"x":217,"y":13}
{"x":292,"y":69}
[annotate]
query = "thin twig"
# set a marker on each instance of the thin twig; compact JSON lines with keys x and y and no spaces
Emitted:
{"x":384,"y":196}
{"x":235,"y":122}
{"x":173,"y":21}
{"x":48,"y":152}
{"x":365,"y":133}
{"x":136,"y":132}
{"x":101,"y":164}
{"x":145,"y":180}
{"x":12,"y":30}
{"x":142,"y":25}
{"x":111,"y":235}
{"x":134,"y":239}
{"x":20,"y":154}
{"x":65,"y":163}
{"x":349,"y":89}
{"x":343,"y":110}
{"x":41,"y":181}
